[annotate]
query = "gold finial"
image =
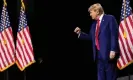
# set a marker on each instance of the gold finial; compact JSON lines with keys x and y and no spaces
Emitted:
{"x":5,"y":4}
{"x":23,"y":6}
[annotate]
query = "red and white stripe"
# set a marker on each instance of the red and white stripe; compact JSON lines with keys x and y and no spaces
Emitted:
{"x":24,"y":52}
{"x":126,"y":44}
{"x":7,"y":51}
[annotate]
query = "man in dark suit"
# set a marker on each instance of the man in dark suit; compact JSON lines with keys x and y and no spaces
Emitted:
{"x":104,"y":36}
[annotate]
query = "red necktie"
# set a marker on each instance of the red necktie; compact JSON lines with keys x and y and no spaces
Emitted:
{"x":96,"y":35}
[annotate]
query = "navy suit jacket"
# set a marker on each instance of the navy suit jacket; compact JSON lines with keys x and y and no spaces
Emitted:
{"x":108,"y":36}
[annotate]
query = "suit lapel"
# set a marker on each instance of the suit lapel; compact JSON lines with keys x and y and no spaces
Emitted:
{"x":101,"y":25}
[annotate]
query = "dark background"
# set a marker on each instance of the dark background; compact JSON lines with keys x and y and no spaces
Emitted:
{"x":58,"y":52}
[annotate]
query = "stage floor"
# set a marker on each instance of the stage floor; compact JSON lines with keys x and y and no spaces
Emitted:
{"x":126,"y":78}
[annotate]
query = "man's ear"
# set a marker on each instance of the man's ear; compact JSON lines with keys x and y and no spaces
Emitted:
{"x":97,"y":12}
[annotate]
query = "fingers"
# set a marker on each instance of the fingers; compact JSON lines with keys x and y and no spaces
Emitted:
{"x":77,"y":30}
{"x":112,"y":55}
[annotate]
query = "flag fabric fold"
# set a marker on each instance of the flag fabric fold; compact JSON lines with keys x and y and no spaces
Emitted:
{"x":24,"y":47}
{"x":7,"y":46}
{"x":125,"y":36}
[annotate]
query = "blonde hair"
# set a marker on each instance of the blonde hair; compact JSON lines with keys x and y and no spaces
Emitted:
{"x":96,"y":7}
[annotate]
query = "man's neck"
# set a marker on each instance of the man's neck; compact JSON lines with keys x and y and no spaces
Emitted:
{"x":98,"y":17}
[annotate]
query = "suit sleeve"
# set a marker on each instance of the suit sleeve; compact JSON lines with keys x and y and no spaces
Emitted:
{"x":85,"y":36}
{"x":114,"y":34}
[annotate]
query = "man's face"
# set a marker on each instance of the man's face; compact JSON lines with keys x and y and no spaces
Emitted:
{"x":93,"y":14}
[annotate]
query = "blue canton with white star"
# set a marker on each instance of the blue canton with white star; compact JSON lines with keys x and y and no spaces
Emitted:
{"x":4,"y":22}
{"x":128,"y":10}
{"x":22,"y":21}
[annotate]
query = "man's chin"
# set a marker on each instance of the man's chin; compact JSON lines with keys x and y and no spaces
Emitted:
{"x":92,"y":18}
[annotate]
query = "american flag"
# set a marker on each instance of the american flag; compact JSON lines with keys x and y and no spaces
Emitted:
{"x":125,"y":36}
{"x":24,"y":48}
{"x":7,"y":46}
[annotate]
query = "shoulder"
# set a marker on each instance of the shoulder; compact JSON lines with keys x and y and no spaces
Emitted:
{"x":109,"y":16}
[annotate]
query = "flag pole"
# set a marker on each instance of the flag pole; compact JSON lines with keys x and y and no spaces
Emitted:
{"x":6,"y":72}
{"x":23,"y":6}
{"x":125,"y":17}
{"x":24,"y":74}
{"x":129,"y":73}
{"x":7,"y":75}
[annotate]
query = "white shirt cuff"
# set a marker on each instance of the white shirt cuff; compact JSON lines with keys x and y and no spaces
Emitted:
{"x":79,"y":35}
{"x":112,"y":51}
